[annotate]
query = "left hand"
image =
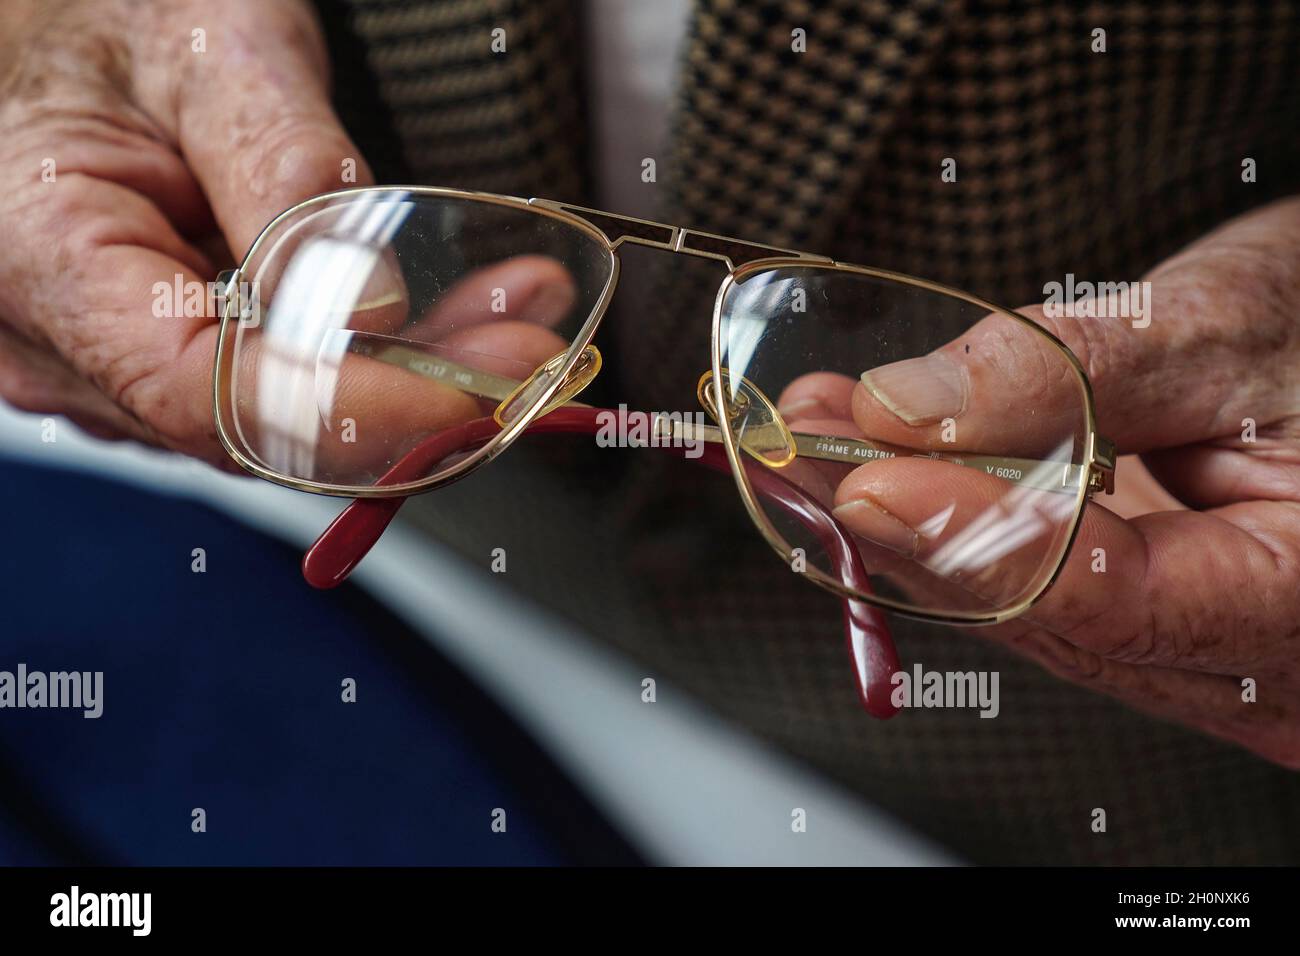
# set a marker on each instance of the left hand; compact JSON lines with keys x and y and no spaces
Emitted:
{"x":1200,"y":601}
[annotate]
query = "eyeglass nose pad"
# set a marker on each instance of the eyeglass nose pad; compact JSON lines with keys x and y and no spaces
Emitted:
{"x":757,"y":425}
{"x":526,"y":392}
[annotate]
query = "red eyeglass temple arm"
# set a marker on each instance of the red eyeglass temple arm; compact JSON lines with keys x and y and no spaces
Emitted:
{"x":871,"y":648}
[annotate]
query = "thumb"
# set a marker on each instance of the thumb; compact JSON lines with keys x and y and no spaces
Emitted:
{"x":254,"y":122}
{"x":1209,"y":349}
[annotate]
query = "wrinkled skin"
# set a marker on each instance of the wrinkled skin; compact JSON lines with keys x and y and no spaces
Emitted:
{"x":168,"y":161}
{"x":1201,"y":590}
{"x":165,"y":159}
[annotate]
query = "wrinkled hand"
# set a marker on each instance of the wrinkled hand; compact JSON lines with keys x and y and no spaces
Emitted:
{"x":129,"y":157}
{"x":1194,"y":600}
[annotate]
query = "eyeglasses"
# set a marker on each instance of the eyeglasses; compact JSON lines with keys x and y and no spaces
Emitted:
{"x":904,"y":445}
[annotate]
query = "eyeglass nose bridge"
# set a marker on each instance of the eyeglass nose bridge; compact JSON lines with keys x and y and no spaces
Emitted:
{"x":619,"y":229}
{"x":525,"y":393}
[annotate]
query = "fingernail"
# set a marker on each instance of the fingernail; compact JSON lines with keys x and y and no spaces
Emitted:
{"x":379,"y":302}
{"x":803,"y":408}
{"x":868,"y":519}
{"x":384,"y":286}
{"x":920,"y":391}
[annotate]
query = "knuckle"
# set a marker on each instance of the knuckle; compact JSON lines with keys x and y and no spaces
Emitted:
{"x":172,"y":406}
{"x":1107,"y":626}
{"x":290,"y":23}
{"x":290,"y":153}
{"x":1081,"y":666}
{"x":1089,"y":340}
{"x":1038,"y":371}
{"x":65,"y":221}
{"x":146,"y":397}
{"x":1062,"y":658}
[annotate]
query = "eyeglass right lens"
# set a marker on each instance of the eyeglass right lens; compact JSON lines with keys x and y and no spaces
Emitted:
{"x":949,"y":440}
{"x":390,"y":320}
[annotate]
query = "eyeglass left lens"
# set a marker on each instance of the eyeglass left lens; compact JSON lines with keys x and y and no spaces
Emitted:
{"x":947,"y":440}
{"x":384,"y":328}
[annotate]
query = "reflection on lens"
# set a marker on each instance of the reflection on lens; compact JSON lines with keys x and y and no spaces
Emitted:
{"x":389,"y":322}
{"x":947,"y":438}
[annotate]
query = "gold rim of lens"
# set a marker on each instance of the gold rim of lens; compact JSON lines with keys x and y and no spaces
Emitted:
{"x":1099,"y":453}
{"x":778,"y":542}
{"x":500,"y":441}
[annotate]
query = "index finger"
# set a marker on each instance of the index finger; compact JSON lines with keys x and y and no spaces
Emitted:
{"x":254,"y":121}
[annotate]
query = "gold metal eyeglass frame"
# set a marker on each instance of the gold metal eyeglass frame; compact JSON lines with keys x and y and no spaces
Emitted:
{"x":570,"y":371}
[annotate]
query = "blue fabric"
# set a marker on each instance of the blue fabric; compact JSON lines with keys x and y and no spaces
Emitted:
{"x":222,"y":690}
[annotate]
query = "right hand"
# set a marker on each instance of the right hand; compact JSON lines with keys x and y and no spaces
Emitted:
{"x":164,"y":161}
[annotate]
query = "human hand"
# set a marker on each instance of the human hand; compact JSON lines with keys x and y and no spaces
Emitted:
{"x":129,"y":145}
{"x":1194,"y":600}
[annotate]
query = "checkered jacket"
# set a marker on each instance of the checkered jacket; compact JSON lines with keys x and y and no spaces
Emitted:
{"x":1068,"y":160}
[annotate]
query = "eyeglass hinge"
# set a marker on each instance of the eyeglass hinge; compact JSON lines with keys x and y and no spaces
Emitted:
{"x":1101,"y":470}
